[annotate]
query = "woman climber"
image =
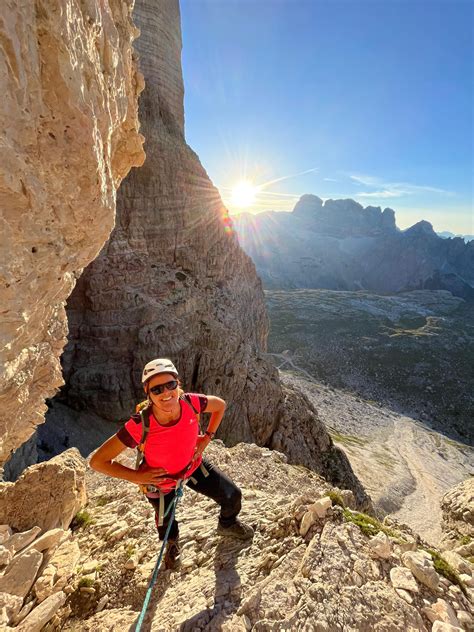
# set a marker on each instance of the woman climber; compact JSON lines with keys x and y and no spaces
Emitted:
{"x":172,"y":450}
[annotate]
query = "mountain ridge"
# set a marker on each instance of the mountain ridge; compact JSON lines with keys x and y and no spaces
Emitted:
{"x":340,"y":245}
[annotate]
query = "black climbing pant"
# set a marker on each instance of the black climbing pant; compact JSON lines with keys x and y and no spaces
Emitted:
{"x":217,"y":486}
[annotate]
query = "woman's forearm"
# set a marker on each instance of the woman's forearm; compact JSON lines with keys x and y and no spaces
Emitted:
{"x":117,"y":470}
{"x":215,"y":421}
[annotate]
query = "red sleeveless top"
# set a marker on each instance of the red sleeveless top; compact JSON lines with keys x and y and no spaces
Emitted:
{"x":168,"y":446}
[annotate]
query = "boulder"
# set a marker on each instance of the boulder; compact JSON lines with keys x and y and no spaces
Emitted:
{"x":5,"y":532}
{"x":403,"y":578}
{"x":320,"y":507}
{"x":5,"y":556}
{"x":43,"y":613}
{"x":381,"y":546}
{"x":441,"y":610}
{"x":25,"y":611}
{"x":440,"y":626}
{"x":421,"y":565}
{"x":47,"y":495}
{"x":19,"y":541}
{"x":10,"y":604}
{"x":457,"y":506}
{"x":459,"y":564}
{"x":306,"y":523}
{"x":49,"y":540}
{"x":58,"y":571}
{"x":20,"y":574}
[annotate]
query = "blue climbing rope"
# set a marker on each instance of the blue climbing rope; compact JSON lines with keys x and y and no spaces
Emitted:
{"x":173,"y":504}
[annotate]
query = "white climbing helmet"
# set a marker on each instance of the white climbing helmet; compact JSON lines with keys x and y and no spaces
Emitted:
{"x":155,"y":367}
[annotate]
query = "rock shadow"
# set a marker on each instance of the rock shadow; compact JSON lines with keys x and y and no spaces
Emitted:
{"x":158,"y":592}
{"x":227,"y":591}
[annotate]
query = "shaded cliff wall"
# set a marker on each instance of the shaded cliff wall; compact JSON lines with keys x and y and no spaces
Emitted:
{"x":69,"y":135}
{"x":173,"y":281}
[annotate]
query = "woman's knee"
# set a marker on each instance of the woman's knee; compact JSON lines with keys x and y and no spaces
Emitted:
{"x":232,"y":497}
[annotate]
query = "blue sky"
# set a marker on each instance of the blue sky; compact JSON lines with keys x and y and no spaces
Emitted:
{"x":366,"y":99}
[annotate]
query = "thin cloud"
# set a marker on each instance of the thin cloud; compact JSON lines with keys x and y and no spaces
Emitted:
{"x":275,"y":194}
{"x":367,"y":180}
{"x":393,"y":189}
{"x":379,"y":194}
{"x":293,"y":175}
{"x":268,"y":193}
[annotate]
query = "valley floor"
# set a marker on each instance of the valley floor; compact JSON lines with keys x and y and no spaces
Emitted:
{"x":404,"y":466}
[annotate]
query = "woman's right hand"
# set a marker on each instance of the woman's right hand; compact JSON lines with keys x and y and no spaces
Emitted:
{"x":149,"y":475}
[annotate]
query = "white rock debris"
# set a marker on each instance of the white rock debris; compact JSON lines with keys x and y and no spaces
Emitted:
{"x":331,"y":574}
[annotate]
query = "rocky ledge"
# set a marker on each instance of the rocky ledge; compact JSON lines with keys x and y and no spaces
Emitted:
{"x":314,"y":563}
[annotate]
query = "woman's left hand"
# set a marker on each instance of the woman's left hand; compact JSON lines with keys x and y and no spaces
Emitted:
{"x":201,"y":445}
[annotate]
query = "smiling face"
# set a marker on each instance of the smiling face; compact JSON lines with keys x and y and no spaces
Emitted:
{"x":167,"y":401}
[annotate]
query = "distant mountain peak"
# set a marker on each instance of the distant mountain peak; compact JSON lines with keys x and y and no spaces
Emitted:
{"x":344,"y":216}
{"x":308,"y":205}
{"x":421,"y":228}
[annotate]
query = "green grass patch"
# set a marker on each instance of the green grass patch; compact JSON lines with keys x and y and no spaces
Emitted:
{"x":455,"y":444}
{"x":465,"y":540}
{"x":81,"y":519}
{"x":129,"y":551}
{"x":368,"y":525}
{"x":336,"y":498}
{"x":443,"y":568}
{"x":102,"y":500}
{"x":347,"y":439}
{"x":86,"y":582}
{"x":386,"y":460}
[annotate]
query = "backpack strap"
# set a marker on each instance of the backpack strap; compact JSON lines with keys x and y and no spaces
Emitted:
{"x":189,"y":401}
{"x":186,"y":398}
{"x":145,"y":419}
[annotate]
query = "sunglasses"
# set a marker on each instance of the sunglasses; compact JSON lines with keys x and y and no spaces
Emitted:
{"x":161,"y":388}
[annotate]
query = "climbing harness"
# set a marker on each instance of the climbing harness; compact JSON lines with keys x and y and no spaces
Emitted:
{"x":144,"y":411}
{"x":174,"y":502}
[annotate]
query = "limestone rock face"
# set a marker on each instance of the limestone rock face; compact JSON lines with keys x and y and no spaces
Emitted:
{"x":47,"y":495}
{"x":458,"y":508}
{"x":301,"y":435}
{"x":458,"y":517}
{"x":69,"y":135}
{"x":173,"y":281}
{"x":344,"y":217}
